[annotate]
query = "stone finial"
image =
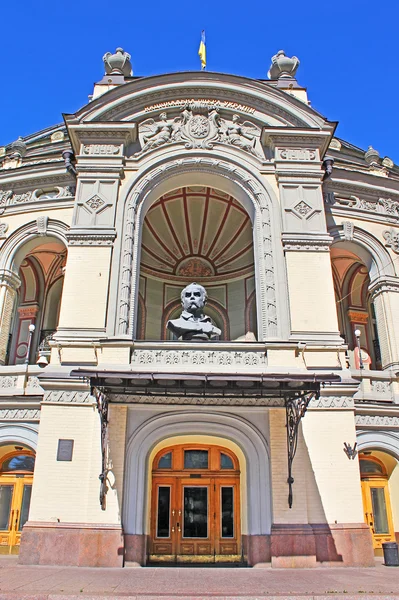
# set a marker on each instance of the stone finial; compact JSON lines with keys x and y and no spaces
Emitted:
{"x":18,"y":148}
{"x":372,"y":156}
{"x":118,"y":63}
{"x":282,"y":66}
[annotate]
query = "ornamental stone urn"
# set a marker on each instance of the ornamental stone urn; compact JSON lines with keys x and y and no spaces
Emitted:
{"x":282,"y":66}
{"x":372,"y":156}
{"x":118,"y":63}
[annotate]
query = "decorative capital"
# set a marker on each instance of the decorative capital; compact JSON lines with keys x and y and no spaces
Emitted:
{"x":9,"y":279}
{"x":118,"y":63}
{"x":282,"y":66}
{"x":384,"y":284}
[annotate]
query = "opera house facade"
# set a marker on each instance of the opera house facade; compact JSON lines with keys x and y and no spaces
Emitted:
{"x":251,"y":418}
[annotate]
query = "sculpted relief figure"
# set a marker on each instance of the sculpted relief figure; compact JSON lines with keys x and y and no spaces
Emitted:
{"x":193,"y":324}
{"x":199,"y":125}
{"x":243,"y":135}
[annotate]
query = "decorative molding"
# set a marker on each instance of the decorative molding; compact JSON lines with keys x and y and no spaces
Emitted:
{"x":377,"y":421}
{"x":90,"y":238}
{"x":42,"y":223}
{"x":28,"y":312}
{"x":33,"y":383}
{"x":297,"y":243}
{"x":384,"y":284}
{"x":65,"y":397}
{"x":198,"y":400}
{"x":302,"y":208}
{"x":8,"y":381}
{"x":204,"y":358}
{"x":199,"y":125}
{"x":379,"y":205}
{"x":20,"y":414}
{"x":296,"y":154}
{"x":348,"y":229}
{"x":332,"y":402}
{"x":11,"y":198}
{"x":102,"y":149}
{"x":135,"y":104}
{"x":3,"y":230}
{"x":9,"y":279}
{"x":357,"y":316}
{"x":381,"y":387}
{"x":179,"y":103}
{"x":391,"y":236}
{"x":94,"y":203}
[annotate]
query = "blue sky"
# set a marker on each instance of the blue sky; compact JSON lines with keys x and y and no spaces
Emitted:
{"x":52,"y":54}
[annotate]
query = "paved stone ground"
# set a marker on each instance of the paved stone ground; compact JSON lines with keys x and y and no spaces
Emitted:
{"x":70,"y":583}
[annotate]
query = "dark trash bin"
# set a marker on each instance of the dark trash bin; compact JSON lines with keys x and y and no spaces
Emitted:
{"x":391,"y":554}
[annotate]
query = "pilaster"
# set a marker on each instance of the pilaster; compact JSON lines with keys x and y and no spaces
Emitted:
{"x":100,"y":151}
{"x":9,"y":283}
{"x":306,"y":242}
{"x":385,"y":296}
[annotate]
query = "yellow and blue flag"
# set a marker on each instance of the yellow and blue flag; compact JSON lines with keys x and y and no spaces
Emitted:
{"x":202,"y":51}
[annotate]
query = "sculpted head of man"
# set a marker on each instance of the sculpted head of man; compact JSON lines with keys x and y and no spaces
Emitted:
{"x":193,"y":298}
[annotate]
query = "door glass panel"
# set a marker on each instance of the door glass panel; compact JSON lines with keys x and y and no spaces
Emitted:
{"x":165,"y":462}
{"x":163,"y":521}
{"x":226,"y":462}
{"x":369,"y":467}
{"x":379,"y":510}
{"x":195,"y":524}
{"x":25,"y":506}
{"x":196,"y":459}
{"x":227,"y":507}
{"x":5,"y":505}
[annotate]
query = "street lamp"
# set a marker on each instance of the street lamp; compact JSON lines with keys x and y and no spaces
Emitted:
{"x":357,"y":335}
{"x":31,"y":332}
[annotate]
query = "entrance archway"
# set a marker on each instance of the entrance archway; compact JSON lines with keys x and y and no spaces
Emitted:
{"x":16,"y":479}
{"x":195,"y":505}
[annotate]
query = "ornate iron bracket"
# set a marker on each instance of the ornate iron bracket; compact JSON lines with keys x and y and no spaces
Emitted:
{"x":295,"y":407}
{"x":102,"y":407}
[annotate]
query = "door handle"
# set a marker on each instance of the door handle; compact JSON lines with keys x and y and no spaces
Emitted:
{"x":178,"y":527}
{"x":11,"y":520}
{"x":16,"y":519}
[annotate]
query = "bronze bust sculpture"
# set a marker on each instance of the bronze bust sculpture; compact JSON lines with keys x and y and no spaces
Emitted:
{"x":193,"y":324}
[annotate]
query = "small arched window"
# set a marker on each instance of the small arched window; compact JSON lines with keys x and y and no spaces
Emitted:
{"x":371,"y":467}
{"x":19,"y":462}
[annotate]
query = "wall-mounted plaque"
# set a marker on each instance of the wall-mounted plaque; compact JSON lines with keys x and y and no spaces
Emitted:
{"x":65,"y":450}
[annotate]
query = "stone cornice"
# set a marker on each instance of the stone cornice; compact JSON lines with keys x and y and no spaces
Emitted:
{"x":68,"y":397}
{"x":384,"y":284}
{"x":9,"y":279}
{"x":306,"y":243}
{"x":374,"y":421}
{"x":100,"y":134}
{"x":91,"y":237}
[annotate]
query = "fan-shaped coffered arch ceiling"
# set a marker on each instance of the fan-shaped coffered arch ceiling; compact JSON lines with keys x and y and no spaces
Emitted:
{"x":197,"y":233}
{"x":143,"y":96}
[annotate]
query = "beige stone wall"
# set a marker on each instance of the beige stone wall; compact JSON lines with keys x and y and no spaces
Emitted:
{"x":327,"y":484}
{"x":394,"y":495}
{"x":312,"y":306}
{"x":69,"y":491}
{"x":333,"y":480}
{"x":85,"y":293}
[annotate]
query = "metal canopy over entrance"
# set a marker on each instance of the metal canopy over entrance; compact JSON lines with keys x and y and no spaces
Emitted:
{"x":290,"y":391}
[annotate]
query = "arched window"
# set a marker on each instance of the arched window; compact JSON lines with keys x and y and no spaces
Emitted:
{"x":22,"y":463}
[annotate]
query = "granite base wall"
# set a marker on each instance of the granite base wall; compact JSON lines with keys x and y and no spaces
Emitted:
{"x":71,"y":544}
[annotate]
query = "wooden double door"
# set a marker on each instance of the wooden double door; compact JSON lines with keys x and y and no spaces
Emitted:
{"x":195,"y":515}
{"x":15,"y":494}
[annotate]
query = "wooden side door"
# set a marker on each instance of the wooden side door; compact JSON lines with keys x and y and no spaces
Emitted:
{"x":15,"y":493}
{"x":227,"y":520}
{"x":377,"y":511}
{"x":163,"y":543}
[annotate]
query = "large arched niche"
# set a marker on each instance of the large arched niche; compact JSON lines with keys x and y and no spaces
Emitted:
{"x":358,"y":264}
{"x":248,"y":441}
{"x":162,"y":177}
